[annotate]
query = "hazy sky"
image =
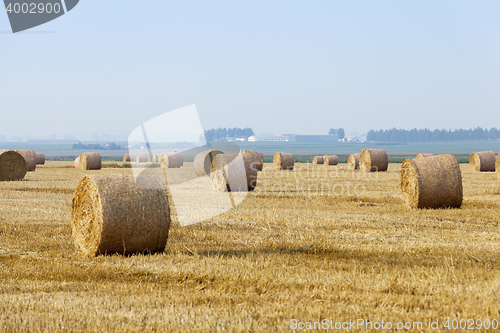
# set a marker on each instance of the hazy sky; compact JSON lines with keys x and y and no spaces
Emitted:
{"x":275,"y":66}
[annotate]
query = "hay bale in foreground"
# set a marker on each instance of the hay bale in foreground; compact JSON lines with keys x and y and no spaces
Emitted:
{"x":30,"y":157}
{"x":112,"y":214}
{"x":142,"y":158}
{"x":483,"y":161}
{"x":171,"y":160}
{"x":283,"y":161}
{"x":424,"y":155}
{"x":40,"y":158}
{"x":12,"y":166}
{"x":258,"y":158}
{"x":127,"y":158}
{"x":154,"y":158}
{"x":90,"y":161}
{"x":233,"y":172}
{"x":431,"y":182}
{"x":202,"y":164}
{"x":318,"y":160}
{"x":497,"y":167}
{"x":373,"y":160}
{"x":353,"y":162}
{"x":77,"y":162}
{"x":331,"y":159}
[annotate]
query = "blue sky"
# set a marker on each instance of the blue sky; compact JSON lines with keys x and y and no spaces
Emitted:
{"x":275,"y":66}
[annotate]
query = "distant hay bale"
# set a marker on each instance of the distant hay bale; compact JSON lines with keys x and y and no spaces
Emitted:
{"x":234,"y":172}
{"x":258,"y":158}
{"x":142,"y":158}
{"x":77,"y":162}
{"x":30,"y":157}
{"x":202,"y":164}
{"x":353,"y":162}
{"x":12,"y":166}
{"x":318,"y":160}
{"x":431,"y":182}
{"x":40,"y":158}
{"x":90,"y":161}
{"x":483,"y":161}
{"x":127,"y":158}
{"x":424,"y":155}
{"x":112,"y":214}
{"x":283,"y":161}
{"x":154,"y":159}
{"x":373,"y":160}
{"x":171,"y":160}
{"x":331,"y":159}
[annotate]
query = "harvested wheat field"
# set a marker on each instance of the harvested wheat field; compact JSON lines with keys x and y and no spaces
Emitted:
{"x":318,"y":243}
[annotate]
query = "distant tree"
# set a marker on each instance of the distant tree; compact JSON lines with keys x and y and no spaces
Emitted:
{"x":221,"y":133}
{"x":338,"y":131}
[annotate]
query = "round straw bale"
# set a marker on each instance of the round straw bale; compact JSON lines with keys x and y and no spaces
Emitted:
{"x":154,"y":159}
{"x":331,"y":159}
{"x":424,"y":155}
{"x":77,"y":162}
{"x":353,"y":162}
{"x":230,"y":172}
{"x":497,"y":167}
{"x":258,"y":158}
{"x":373,"y":160}
{"x":112,"y":214}
{"x":90,"y":161}
{"x":318,"y":160}
{"x":30,"y":157}
{"x":12,"y":166}
{"x":283,"y":161}
{"x":203,"y":162}
{"x":431,"y":182}
{"x":483,"y":161}
{"x":127,"y":158}
{"x":142,"y":158}
{"x":40,"y":158}
{"x":172,"y":160}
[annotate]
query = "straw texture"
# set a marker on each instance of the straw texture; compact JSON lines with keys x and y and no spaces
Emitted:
{"x":90,"y":161}
{"x":126,"y":158}
{"x":203,"y":162}
{"x":171,"y":160}
{"x":353,"y":162}
{"x":431,"y":182}
{"x":40,"y":158}
{"x":77,"y":162}
{"x":497,"y":167}
{"x":12,"y":166}
{"x":483,"y":161}
{"x":142,"y":158}
{"x":318,"y":160}
{"x":233,"y":172}
{"x":373,"y":160}
{"x":30,"y":157}
{"x":424,"y":155}
{"x":331,"y":159}
{"x":112,"y":214}
{"x":283,"y":161}
{"x":258,"y":158}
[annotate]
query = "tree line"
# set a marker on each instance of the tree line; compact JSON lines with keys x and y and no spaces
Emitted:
{"x":221,"y":133}
{"x":422,"y":135}
{"x":339,"y":131}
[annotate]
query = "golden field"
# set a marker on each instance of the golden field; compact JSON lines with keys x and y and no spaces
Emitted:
{"x":311,"y":244}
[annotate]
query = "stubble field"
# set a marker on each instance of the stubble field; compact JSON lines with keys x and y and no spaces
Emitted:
{"x":309,"y":245}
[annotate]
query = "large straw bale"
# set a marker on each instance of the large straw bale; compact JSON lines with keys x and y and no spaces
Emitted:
{"x":258,"y":158}
{"x":90,"y":161}
{"x":127,"y":158}
{"x":12,"y":166}
{"x":373,"y":160}
{"x":30,"y":157}
{"x":431,"y":182}
{"x":331,"y":159}
{"x":233,"y":172}
{"x":142,"y":158}
{"x":283,"y":161}
{"x":424,"y":155}
{"x":171,"y":160}
{"x":77,"y":162}
{"x":318,"y":160}
{"x":497,"y":167}
{"x":353,"y":162}
{"x":112,"y":214}
{"x":40,"y":158}
{"x":202,"y":164}
{"x":483,"y":161}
